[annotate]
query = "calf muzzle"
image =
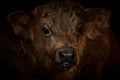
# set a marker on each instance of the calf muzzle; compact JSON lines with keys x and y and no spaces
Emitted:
{"x":65,"y":57}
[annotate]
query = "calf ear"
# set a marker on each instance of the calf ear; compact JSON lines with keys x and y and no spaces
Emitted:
{"x":97,"y":21}
{"x":19,"y":21}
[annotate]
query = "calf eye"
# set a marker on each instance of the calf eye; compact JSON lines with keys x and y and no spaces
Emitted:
{"x":79,"y":29}
{"x":47,"y":31}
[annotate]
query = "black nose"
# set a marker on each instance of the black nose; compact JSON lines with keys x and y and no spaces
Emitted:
{"x":65,"y":57}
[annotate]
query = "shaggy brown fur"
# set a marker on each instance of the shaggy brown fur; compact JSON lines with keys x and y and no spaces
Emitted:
{"x":29,"y":52}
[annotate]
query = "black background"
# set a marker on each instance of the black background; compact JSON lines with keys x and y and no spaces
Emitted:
{"x":8,"y":6}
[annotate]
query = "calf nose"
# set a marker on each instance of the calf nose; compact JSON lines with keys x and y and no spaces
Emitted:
{"x":65,"y":57}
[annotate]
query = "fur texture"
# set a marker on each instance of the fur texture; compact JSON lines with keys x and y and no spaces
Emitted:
{"x":28,"y":53}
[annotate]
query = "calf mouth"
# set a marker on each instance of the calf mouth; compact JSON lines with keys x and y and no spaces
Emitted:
{"x":65,"y":65}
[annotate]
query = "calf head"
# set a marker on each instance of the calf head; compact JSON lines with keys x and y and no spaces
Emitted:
{"x":64,"y":36}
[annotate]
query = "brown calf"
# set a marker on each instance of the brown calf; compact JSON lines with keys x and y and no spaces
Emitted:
{"x":60,"y":41}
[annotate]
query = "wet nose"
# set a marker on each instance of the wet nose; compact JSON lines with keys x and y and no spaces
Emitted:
{"x":65,"y":57}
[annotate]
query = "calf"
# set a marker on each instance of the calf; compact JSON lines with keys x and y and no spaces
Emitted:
{"x":60,"y":40}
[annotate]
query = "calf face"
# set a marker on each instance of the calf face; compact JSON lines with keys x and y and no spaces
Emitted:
{"x":66,"y":40}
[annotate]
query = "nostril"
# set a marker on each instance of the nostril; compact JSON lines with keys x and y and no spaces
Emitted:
{"x":61,"y":54}
{"x":73,"y":54}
